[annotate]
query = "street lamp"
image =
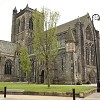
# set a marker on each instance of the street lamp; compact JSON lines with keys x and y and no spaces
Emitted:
{"x":96,"y":17}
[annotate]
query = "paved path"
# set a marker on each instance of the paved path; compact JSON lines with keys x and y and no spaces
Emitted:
{"x":30,"y":97}
{"x":95,"y":96}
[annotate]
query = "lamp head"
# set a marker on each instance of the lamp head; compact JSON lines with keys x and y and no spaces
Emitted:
{"x":96,"y":17}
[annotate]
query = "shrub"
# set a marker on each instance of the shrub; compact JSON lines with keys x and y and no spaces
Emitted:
{"x":79,"y":82}
{"x":88,"y":82}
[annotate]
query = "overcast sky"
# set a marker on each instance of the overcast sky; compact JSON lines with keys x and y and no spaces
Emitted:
{"x":68,"y":9}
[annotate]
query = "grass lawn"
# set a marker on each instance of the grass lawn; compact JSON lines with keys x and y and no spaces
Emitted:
{"x":44,"y":88}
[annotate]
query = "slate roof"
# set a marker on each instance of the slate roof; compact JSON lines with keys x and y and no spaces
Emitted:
{"x":7,"y":48}
{"x":71,"y":24}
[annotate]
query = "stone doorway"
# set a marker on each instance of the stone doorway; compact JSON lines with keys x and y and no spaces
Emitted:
{"x":42,"y":76}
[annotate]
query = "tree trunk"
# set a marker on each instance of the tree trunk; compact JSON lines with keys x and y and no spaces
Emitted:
{"x":37,"y":73}
{"x":48,"y":76}
{"x":28,"y":77}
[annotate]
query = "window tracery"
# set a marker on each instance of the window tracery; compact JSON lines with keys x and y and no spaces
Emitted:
{"x":18,"y":26}
{"x":92,"y":55}
{"x":30,"y":24}
{"x":87,"y":55}
{"x":23,"y":24}
{"x":8,"y":67}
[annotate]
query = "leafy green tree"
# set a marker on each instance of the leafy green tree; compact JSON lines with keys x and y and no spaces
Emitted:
{"x":25,"y":61}
{"x":45,"y":39}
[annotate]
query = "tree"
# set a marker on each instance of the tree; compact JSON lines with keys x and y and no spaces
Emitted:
{"x":25,"y":61}
{"x":45,"y":39}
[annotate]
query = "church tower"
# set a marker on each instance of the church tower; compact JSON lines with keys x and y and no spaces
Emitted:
{"x":22,"y":25}
{"x":22,"y":31}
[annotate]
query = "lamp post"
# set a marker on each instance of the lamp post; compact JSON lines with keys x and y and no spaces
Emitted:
{"x":96,"y":17}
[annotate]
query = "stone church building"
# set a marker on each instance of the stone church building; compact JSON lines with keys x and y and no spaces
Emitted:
{"x":68,"y":67}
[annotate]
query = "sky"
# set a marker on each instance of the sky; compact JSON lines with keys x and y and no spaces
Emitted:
{"x":68,"y":9}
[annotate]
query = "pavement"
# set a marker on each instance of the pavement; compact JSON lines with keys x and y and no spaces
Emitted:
{"x":95,"y":96}
{"x":31,"y":97}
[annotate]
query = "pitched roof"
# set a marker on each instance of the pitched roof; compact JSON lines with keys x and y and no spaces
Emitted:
{"x":7,"y":48}
{"x":64,"y":27}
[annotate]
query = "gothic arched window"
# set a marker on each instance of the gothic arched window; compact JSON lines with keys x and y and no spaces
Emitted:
{"x":18,"y":26}
{"x":87,"y":55}
{"x":62,"y":61}
{"x":8,"y":67}
{"x":22,"y":23}
{"x":75,"y":35}
{"x":89,"y":33}
{"x":92,"y":55}
{"x":30,"y":24}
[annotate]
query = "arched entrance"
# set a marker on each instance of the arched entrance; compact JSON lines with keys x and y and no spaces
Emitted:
{"x":42,"y":77}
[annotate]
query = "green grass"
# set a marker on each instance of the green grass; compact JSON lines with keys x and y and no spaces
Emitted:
{"x":44,"y":88}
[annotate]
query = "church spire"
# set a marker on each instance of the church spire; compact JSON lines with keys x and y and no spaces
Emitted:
{"x":27,"y":6}
{"x":70,"y":41}
{"x":70,"y":37}
{"x":15,"y":10}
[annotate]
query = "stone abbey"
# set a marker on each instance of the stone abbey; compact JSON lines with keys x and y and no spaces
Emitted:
{"x":68,"y":67}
